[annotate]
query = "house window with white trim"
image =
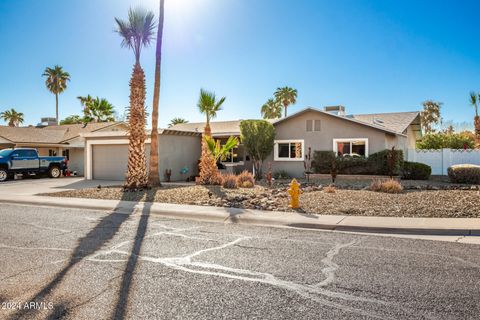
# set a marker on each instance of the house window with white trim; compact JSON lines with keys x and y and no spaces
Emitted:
{"x":288,"y":150}
{"x":351,"y":147}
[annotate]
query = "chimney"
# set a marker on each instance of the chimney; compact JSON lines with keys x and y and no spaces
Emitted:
{"x":336,"y":110}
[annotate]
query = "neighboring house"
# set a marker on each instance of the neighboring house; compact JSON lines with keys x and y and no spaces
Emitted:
{"x":327,"y":130}
{"x":61,"y":140}
{"x":106,"y":154}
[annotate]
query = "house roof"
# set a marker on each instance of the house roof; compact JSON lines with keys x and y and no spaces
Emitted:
{"x":350,"y":118}
{"x":396,"y":121}
{"x":217,"y":127}
{"x":51,"y":134}
{"x":392,"y":123}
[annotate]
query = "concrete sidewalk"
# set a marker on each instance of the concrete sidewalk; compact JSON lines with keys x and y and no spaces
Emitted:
{"x":391,"y":225}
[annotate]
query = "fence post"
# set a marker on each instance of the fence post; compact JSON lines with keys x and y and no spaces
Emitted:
{"x":445,"y":160}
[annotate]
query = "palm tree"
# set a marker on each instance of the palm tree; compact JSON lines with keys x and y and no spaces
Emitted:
{"x":137,"y":32}
{"x":153,"y":176}
{"x":286,"y":96}
{"x":56,"y":82}
{"x":474,"y":100}
{"x":13,"y":117}
{"x":209,"y":106}
{"x":176,"y":121}
{"x":271,"y":109}
{"x":99,"y":110}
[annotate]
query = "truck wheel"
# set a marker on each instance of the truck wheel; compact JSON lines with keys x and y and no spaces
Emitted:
{"x":3,"y":175}
{"x":54,"y":172}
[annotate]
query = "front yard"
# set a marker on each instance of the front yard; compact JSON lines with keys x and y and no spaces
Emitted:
{"x":419,"y":200}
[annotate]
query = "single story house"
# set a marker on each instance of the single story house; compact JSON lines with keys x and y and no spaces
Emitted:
{"x":330,"y":129}
{"x":53,"y":140}
{"x":106,"y":154}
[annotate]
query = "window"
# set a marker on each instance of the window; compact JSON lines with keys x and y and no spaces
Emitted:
{"x":52,"y":153}
{"x":309,"y":126}
{"x":352,"y":147}
{"x":313,"y":125}
{"x":288,"y":150}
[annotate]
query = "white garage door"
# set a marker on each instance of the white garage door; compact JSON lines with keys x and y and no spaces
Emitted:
{"x":110,"y":161}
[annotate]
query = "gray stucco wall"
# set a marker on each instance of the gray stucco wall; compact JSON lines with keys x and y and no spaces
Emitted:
{"x":331,"y":128}
{"x":176,"y":152}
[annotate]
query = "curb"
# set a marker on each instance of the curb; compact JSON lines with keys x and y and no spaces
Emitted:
{"x":411,"y":226}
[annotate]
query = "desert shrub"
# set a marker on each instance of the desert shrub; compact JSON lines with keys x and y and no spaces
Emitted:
{"x":388,"y":186}
{"x":416,"y":171}
{"x":245,"y":179}
{"x":464,"y":173}
{"x":281,"y":174}
{"x":330,"y":189}
{"x":229,"y":181}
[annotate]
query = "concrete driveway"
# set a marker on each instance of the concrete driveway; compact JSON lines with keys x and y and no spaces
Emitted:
{"x":36,"y":186}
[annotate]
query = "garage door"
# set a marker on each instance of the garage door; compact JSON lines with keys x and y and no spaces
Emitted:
{"x":109,"y":162}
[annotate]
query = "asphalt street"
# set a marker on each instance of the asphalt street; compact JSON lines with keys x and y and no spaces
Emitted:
{"x":76,"y":264}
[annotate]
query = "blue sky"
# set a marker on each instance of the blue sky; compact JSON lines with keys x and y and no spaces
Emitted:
{"x":371,"y":56}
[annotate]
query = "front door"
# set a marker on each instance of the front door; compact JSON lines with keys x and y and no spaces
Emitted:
{"x":25,"y":159}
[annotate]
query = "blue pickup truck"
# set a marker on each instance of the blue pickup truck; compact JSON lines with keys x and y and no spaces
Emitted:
{"x":27,"y":162}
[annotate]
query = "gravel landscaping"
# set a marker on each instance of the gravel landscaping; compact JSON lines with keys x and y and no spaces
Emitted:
{"x":463,"y":202}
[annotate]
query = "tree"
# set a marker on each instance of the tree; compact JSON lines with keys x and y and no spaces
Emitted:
{"x":271,"y":109}
{"x":258,"y":138}
{"x":209,"y":106}
{"x":73,"y":119}
{"x":219,"y":151}
{"x":437,"y":141}
{"x":430,"y":115}
{"x":12,"y":117}
{"x":153,"y":177}
{"x":176,"y":121}
{"x":136,"y":32}
{"x":474,"y":101}
{"x":286,"y":96}
{"x":56,"y":83}
{"x":99,"y":110}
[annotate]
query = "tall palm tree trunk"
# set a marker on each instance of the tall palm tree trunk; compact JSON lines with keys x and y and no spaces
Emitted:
{"x":285,"y":109}
{"x":137,"y":166}
{"x":154,"y":177}
{"x":56,"y":109}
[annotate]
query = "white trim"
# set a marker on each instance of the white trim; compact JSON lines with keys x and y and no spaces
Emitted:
{"x":275,"y":150}
{"x":335,"y":148}
{"x":88,"y":152}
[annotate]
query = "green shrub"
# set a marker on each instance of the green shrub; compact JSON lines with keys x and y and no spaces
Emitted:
{"x":416,"y":171}
{"x":322,"y":161}
{"x":376,"y":163}
{"x":379,"y":164}
{"x":281,"y":174}
{"x":464,"y":173}
{"x":436,"y":141}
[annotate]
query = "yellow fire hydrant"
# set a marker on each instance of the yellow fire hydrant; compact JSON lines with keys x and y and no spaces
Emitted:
{"x":294,"y":192}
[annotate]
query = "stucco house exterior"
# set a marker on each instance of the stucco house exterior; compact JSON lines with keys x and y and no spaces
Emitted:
{"x":56,"y":140}
{"x":106,"y":154}
{"x":330,"y":129}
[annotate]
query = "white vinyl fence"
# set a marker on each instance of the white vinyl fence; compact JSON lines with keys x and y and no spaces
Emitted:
{"x":440,"y":160}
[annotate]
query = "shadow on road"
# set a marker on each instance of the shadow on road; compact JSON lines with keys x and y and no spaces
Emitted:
{"x":93,"y":241}
{"x":128,"y":273}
